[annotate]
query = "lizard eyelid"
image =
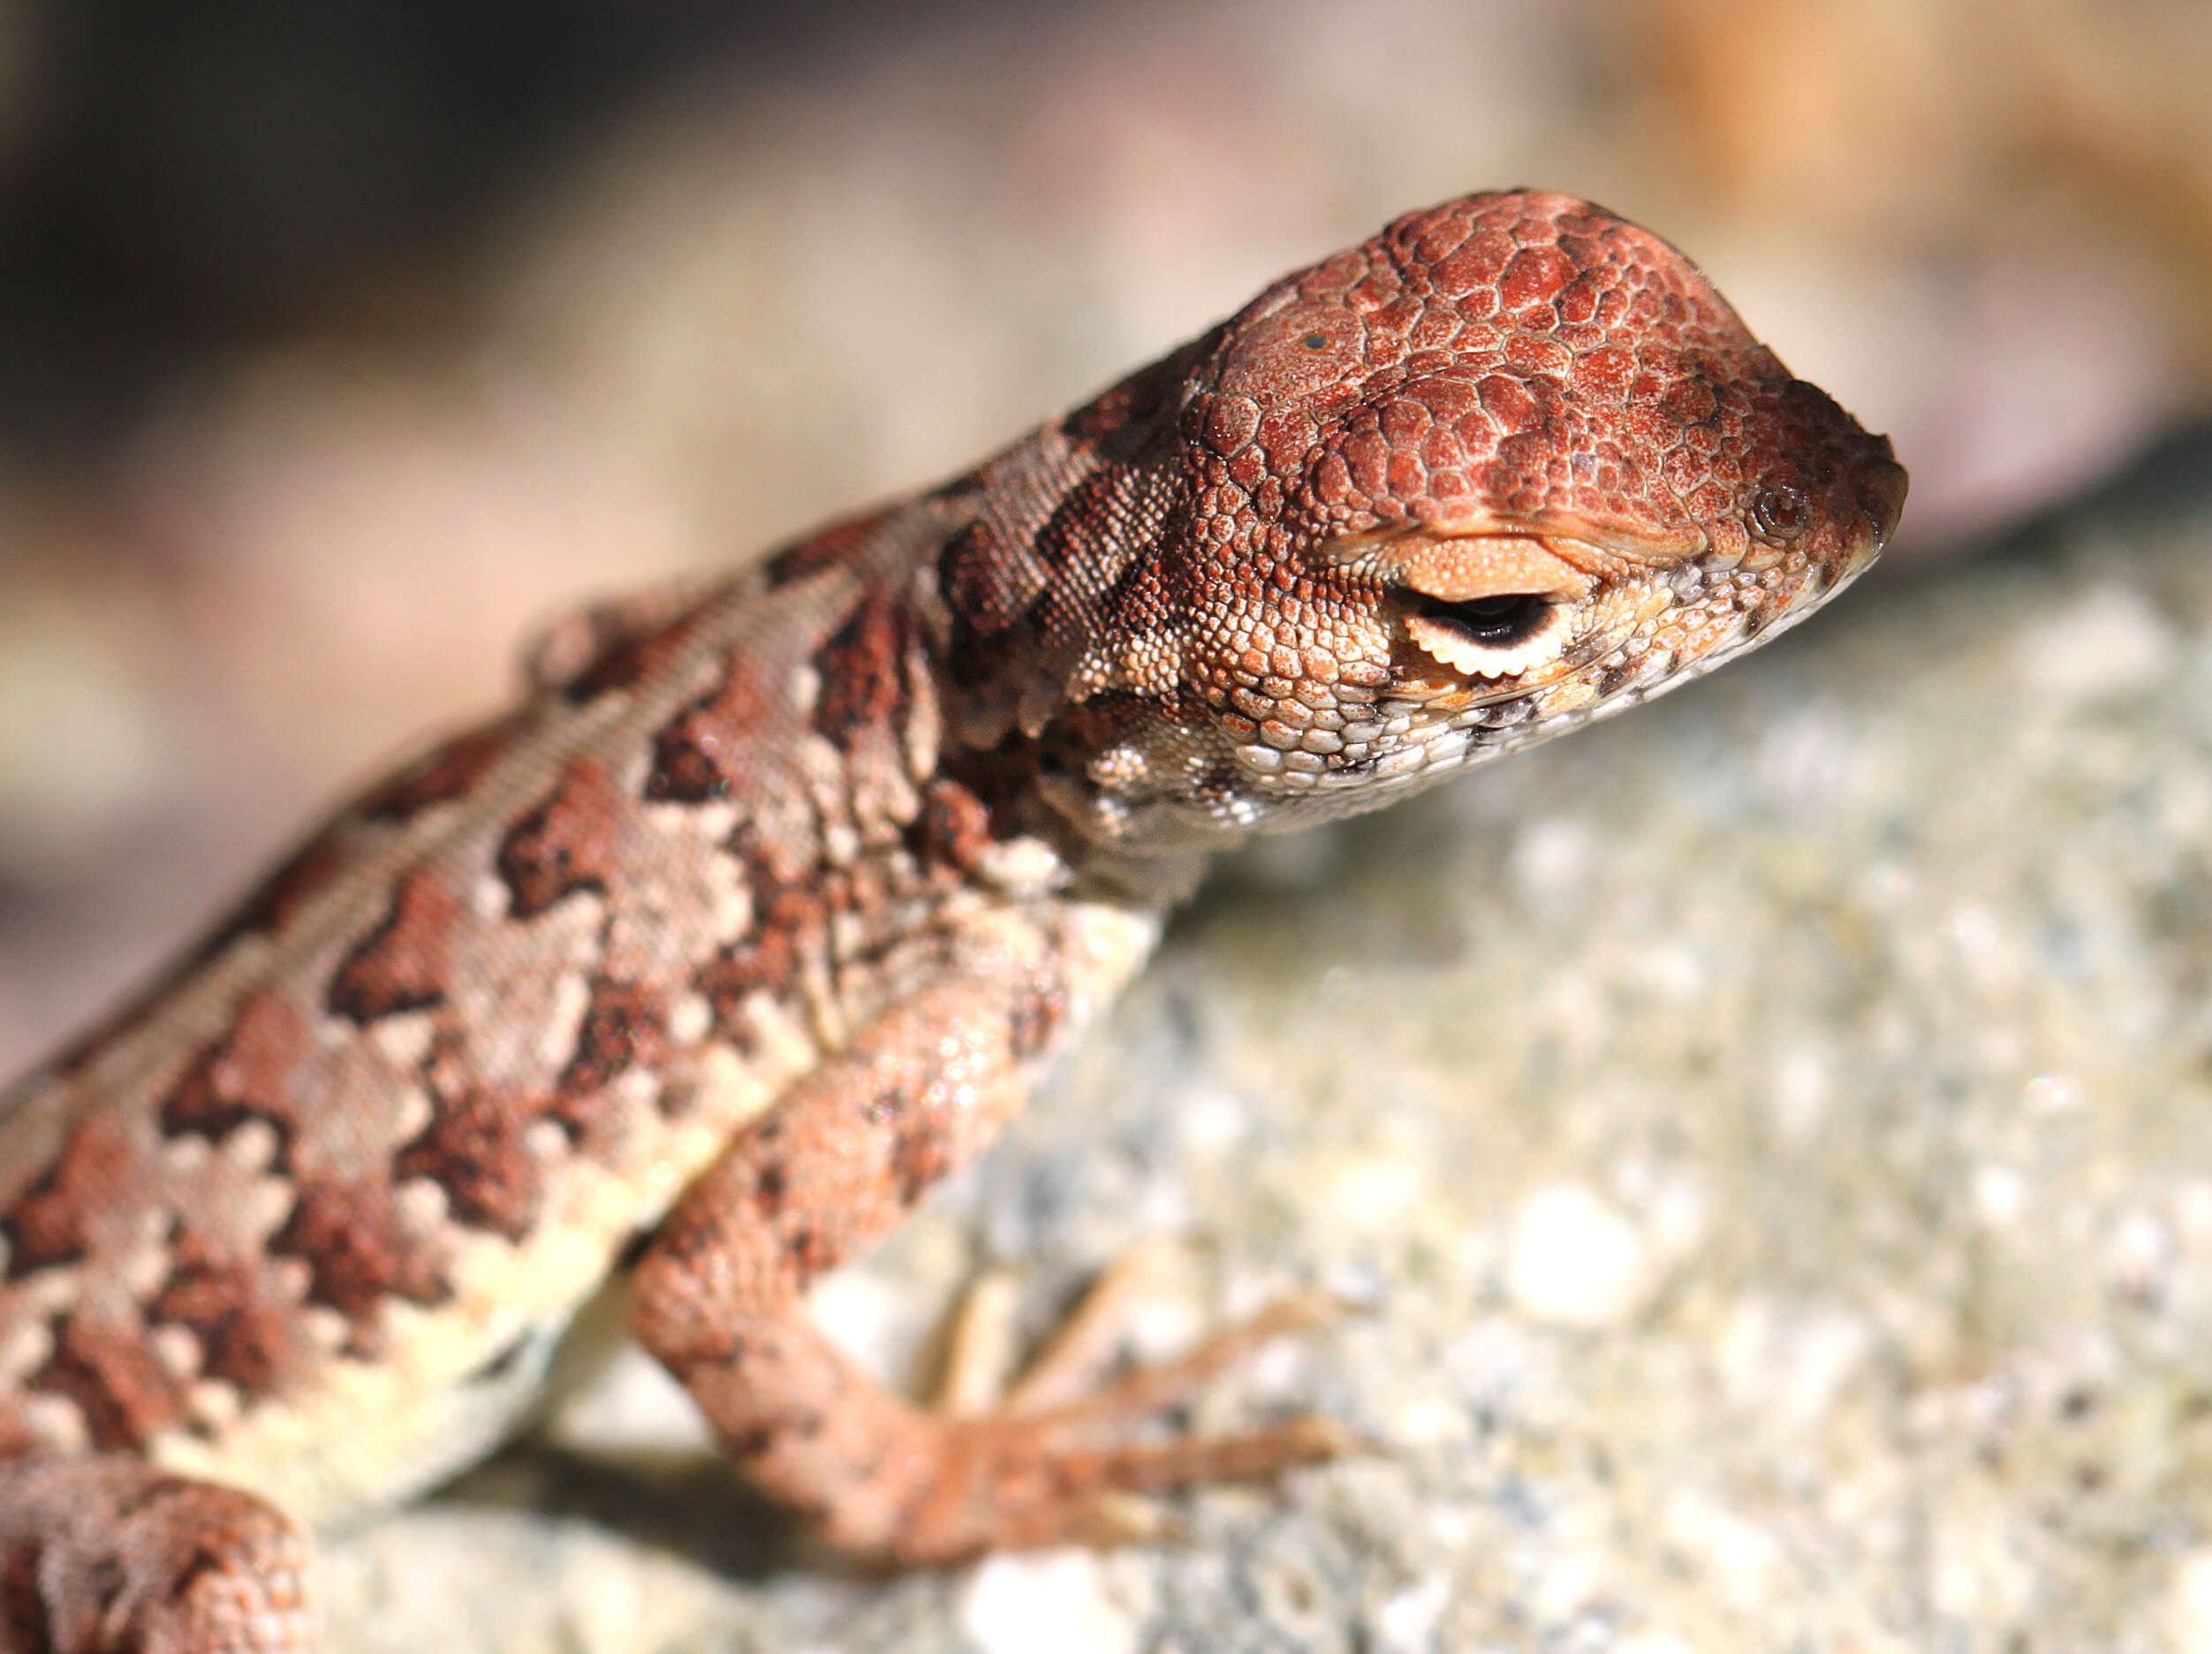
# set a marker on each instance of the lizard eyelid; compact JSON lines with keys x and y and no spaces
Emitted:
{"x":1497,"y":636}
{"x":1497,"y":622}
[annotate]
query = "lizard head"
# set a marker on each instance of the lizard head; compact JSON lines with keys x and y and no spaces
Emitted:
{"x":1510,"y":465}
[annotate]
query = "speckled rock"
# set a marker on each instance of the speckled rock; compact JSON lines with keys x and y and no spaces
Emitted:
{"x":1771,"y":1136}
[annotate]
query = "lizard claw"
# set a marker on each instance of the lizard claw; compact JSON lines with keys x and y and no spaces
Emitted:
{"x":1041,"y":1468}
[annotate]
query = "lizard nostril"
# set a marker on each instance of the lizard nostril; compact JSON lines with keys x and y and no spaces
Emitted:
{"x":1881,"y":486}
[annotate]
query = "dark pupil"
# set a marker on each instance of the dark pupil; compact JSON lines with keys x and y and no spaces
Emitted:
{"x":1495,"y":622}
{"x":1315,"y":341}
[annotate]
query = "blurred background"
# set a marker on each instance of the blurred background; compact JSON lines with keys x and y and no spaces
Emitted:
{"x":341,"y":343}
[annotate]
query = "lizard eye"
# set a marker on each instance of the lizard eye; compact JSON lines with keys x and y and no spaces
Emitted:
{"x":1493,"y":636}
{"x":1779,"y":513}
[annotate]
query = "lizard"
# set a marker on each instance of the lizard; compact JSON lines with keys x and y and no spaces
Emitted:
{"x":771,"y":898}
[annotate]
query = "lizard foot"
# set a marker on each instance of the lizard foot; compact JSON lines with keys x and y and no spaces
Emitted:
{"x":1041,"y":1466}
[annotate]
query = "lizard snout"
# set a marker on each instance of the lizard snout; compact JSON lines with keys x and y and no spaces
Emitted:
{"x":1880,"y":484}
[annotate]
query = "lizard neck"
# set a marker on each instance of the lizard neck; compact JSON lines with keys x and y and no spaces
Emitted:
{"x":1064,"y":629}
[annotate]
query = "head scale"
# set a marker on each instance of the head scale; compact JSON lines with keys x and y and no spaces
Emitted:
{"x":1511,"y":465}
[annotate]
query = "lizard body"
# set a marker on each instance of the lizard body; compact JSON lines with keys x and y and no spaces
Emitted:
{"x":767,"y":904}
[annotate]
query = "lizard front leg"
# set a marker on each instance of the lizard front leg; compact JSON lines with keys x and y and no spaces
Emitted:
{"x":109,"y":1555}
{"x":838,"y":1163}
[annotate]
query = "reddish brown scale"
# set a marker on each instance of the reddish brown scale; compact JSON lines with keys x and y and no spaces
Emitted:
{"x":97,"y":1175}
{"x":988,"y":587}
{"x":698,"y":755}
{"x":565,"y":844}
{"x":789,"y":925}
{"x":348,"y":1235}
{"x":769,"y":963}
{"x":624,"y":1027}
{"x":403,"y":964}
{"x":864,"y":670}
{"x":247,"y":1335}
{"x":473,"y":1148}
{"x":1051,"y":534}
{"x":1547,"y":265}
{"x":108,"y":1369}
{"x":245,"y":1075}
